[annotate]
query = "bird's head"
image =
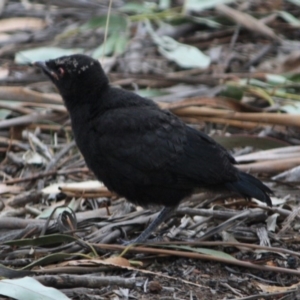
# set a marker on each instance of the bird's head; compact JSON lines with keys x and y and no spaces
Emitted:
{"x":74,"y":75}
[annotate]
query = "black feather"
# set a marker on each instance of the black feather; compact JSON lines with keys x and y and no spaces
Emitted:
{"x":250,"y":187}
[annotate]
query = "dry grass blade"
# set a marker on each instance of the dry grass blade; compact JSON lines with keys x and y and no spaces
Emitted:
{"x":28,"y":119}
{"x":273,"y":154}
{"x":13,"y":24}
{"x":259,"y":118}
{"x":247,"y":99}
{"x":197,"y":256}
{"x":87,"y":193}
{"x":271,"y":167}
{"x":247,"y":21}
{"x":228,"y":122}
{"x":20,"y":93}
{"x":220,"y":102}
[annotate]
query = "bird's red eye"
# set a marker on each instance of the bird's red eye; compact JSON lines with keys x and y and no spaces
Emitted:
{"x":61,"y":71}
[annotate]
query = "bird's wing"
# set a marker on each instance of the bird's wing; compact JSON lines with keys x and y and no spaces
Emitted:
{"x":158,"y":147}
{"x":147,"y":138}
{"x":205,"y":161}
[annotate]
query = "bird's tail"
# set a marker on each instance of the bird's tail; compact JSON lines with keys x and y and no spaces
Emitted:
{"x":250,"y":187}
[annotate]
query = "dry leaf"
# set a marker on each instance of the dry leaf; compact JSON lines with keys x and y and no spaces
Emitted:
{"x":4,"y":189}
{"x":4,"y":37}
{"x":114,"y":261}
{"x":291,"y":64}
{"x":13,"y":24}
{"x":270,"y":167}
{"x":274,"y":289}
{"x":3,"y":73}
{"x":84,"y":185}
{"x":117,"y":261}
{"x":247,"y":21}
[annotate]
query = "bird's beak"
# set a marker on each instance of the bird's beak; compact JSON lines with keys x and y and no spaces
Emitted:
{"x":42,"y":65}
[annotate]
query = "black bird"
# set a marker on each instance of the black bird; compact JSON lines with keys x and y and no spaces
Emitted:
{"x":138,"y":150}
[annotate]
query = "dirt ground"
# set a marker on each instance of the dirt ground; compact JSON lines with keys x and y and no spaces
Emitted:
{"x":230,"y":70}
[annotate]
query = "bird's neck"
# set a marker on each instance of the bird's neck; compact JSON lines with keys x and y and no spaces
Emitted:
{"x":84,"y":103}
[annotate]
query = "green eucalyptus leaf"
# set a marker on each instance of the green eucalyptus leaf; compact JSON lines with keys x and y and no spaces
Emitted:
{"x":200,"y":5}
{"x":289,"y":18}
{"x":28,"y":288}
{"x":116,"y":23}
{"x":43,"y":53}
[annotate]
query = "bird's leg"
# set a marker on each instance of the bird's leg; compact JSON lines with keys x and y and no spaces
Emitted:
{"x":163,"y":215}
